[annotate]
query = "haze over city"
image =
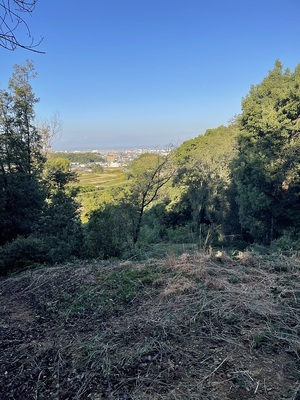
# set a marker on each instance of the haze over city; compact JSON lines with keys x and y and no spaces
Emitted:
{"x":125,"y":74}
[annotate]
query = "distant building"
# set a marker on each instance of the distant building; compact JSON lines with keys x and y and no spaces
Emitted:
{"x":114,"y":165}
{"x":110,"y":158}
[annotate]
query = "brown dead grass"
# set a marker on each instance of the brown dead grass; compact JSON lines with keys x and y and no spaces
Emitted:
{"x":199,"y":327}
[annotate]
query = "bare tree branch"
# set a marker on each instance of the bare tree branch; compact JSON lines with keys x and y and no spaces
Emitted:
{"x":11,"y":19}
{"x":50,"y":130}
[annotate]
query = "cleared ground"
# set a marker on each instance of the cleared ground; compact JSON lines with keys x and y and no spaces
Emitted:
{"x":193,"y":326}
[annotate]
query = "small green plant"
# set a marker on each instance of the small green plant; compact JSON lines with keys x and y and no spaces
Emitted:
{"x":260,"y":339}
{"x":124,"y":285}
{"x":232,"y":319}
{"x":110,"y":295}
{"x":233,"y":279}
{"x":212,"y":272}
{"x":281,"y":268}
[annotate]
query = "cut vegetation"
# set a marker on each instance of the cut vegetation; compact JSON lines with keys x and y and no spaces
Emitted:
{"x":193,"y":326}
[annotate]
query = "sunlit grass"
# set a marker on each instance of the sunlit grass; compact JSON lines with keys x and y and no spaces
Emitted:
{"x":106,"y":179}
{"x":94,"y":188}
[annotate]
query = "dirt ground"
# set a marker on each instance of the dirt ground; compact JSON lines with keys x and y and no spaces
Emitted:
{"x":194,"y":326}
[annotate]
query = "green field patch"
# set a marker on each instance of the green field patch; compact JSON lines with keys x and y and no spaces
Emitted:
{"x":105,"y":179}
{"x":93,"y":188}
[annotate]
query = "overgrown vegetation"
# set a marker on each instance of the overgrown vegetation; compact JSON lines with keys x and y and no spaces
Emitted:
{"x":39,"y":220}
{"x":231,"y":187}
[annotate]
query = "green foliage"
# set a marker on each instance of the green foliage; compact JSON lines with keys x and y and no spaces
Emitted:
{"x":21,"y":157}
{"x":213,"y":148}
{"x":21,"y":253}
{"x":113,"y":292}
{"x":57,"y":174}
{"x":234,"y":183}
{"x":35,"y":201}
{"x":181,"y":234}
{"x":60,"y":227}
{"x":266,"y":169}
{"x":22,"y":203}
{"x":60,"y":222}
{"x":204,"y":182}
{"x":97,"y":168}
{"x":109,"y":231}
{"x":148,"y":174}
{"x":23,"y":137}
{"x":288,"y":242}
{"x":124,"y":285}
{"x":79,"y":157}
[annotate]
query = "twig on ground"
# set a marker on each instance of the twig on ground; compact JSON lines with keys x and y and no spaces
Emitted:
{"x":215,"y":370}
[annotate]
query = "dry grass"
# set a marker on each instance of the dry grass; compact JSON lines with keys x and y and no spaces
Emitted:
{"x":105,"y":179}
{"x":195,"y":326}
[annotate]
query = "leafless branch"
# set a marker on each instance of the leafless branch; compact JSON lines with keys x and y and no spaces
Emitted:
{"x":11,"y":18}
{"x":50,"y":130}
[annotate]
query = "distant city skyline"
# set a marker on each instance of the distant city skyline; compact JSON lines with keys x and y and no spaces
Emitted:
{"x":96,"y":144}
{"x":137,"y":73}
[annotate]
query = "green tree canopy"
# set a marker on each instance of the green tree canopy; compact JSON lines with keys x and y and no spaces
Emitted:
{"x":204,"y":178}
{"x":21,"y":157}
{"x":266,"y":170}
{"x":148,"y":174}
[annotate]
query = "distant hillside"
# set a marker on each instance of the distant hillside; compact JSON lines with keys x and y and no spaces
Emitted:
{"x":209,"y":148}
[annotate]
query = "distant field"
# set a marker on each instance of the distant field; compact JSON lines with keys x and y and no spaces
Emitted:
{"x":109,"y":177}
{"x":94,"y":185}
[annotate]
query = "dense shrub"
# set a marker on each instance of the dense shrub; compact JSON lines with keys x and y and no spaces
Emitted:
{"x":109,"y":232}
{"x":23,"y":252}
{"x":289,"y":241}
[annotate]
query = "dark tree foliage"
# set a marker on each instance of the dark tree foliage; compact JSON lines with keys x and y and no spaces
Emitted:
{"x":39,"y":220}
{"x":204,"y":182}
{"x":60,"y":224}
{"x":22,"y":205}
{"x":21,"y":158}
{"x":266,"y":171}
{"x":110,"y":230}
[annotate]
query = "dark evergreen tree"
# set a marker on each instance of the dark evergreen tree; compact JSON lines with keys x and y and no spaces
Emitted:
{"x":266,"y":170}
{"x":110,"y":230}
{"x":60,"y":224}
{"x":21,"y":158}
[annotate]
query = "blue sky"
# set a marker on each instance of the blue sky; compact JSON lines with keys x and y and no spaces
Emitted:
{"x":139,"y":73}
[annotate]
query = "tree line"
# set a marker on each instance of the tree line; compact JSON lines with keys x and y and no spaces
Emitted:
{"x":233,"y":186}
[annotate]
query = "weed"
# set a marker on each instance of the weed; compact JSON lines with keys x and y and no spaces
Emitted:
{"x":232,"y":319}
{"x":234,"y":279}
{"x":124,"y":285}
{"x":212,"y":272}
{"x":280,"y":268}
{"x":260,"y":339}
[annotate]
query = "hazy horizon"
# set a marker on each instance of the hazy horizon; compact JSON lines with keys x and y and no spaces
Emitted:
{"x":151,"y":73}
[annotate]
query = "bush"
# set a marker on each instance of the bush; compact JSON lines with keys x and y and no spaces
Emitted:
{"x":59,"y":250}
{"x":21,"y":253}
{"x":109,"y":232}
{"x":288,"y":242}
{"x":181,"y":234}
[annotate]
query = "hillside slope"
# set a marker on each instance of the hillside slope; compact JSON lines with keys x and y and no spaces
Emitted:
{"x":187,"y":327}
